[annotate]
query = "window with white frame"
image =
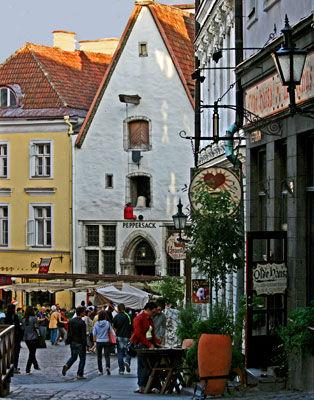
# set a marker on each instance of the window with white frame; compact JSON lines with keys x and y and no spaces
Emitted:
{"x":41,"y":159}
{"x":39,"y":226}
{"x":7,"y":98}
{"x":4,"y":160}
{"x":4,"y":225}
{"x":100,"y":249}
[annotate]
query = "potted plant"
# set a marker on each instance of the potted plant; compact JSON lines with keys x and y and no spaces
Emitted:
{"x":297,"y":349}
{"x":216,"y":250}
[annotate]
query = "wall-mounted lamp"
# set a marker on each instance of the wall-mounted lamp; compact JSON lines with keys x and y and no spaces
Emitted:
{"x":289,"y":62}
{"x":179,"y":220}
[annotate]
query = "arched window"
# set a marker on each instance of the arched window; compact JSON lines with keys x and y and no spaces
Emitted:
{"x":144,"y":259}
{"x":7,"y":98}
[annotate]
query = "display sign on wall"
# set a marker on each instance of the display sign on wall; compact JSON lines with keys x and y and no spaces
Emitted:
{"x":200,"y":291}
{"x":270,"y":278}
{"x":176,"y":249}
{"x":217,"y":179}
{"x":44,"y":265}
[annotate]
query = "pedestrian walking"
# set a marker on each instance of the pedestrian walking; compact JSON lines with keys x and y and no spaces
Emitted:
{"x":89,"y":330}
{"x":144,"y":338}
{"x":160,"y":321}
{"x":62,"y":322}
{"x":30,"y":326}
{"x":101,"y":332}
{"x":43,"y":321}
{"x":77,"y":340}
{"x":12,"y":319}
{"x":53,"y":324}
{"x":123,"y":325}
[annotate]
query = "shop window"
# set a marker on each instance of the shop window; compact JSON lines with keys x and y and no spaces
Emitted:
{"x":140,"y":195}
{"x":4,"y":225}
{"x":4,"y":160}
{"x":7,"y":98}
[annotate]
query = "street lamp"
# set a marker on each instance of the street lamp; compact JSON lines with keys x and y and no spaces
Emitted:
{"x":289,"y":62}
{"x":179,"y":220}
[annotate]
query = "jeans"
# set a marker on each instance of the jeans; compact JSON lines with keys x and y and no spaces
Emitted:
{"x":31,"y":344}
{"x":62,"y":333}
{"x":107,"y":347}
{"x":17,"y":348}
{"x":53,"y":335}
{"x":43,"y":331}
{"x":77,"y":349}
{"x":143,"y":370}
{"x":121,"y":349}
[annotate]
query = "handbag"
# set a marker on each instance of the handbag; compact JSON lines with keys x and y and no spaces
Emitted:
{"x":130,"y":349}
{"x":112,"y":337}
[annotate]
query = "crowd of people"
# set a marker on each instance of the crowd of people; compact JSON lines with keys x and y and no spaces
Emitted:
{"x":89,"y":330}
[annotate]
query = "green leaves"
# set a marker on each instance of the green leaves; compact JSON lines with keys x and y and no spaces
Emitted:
{"x":171,"y":289}
{"x":217,"y":238}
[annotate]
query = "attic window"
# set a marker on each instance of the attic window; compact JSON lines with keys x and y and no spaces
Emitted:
{"x":142,"y":48}
{"x":7,"y":98}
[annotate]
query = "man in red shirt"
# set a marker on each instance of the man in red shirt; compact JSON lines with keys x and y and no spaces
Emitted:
{"x":144,"y":338}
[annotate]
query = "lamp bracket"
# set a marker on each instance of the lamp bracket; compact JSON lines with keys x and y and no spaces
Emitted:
{"x":271,"y":128}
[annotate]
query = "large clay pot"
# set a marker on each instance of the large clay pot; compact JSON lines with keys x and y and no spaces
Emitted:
{"x":214,"y":359}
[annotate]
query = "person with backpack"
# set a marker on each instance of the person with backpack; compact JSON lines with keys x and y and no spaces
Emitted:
{"x":123,"y":325}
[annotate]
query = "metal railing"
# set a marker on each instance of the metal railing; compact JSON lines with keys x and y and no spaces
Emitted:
{"x":6,"y":358}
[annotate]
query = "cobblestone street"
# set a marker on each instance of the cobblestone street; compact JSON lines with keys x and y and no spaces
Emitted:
{"x":48,"y":383}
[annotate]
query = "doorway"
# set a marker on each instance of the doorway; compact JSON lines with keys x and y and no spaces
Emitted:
{"x":144,"y":259}
{"x":266,"y":295}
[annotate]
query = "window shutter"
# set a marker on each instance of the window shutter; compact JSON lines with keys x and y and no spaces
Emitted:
{"x":30,"y":232}
{"x":139,"y":134}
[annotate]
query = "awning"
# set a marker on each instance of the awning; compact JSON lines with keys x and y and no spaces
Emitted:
{"x":133,"y":298}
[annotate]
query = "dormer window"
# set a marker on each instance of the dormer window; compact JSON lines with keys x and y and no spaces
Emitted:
{"x":7,"y":98}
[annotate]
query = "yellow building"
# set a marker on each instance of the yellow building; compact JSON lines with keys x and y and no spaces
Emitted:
{"x":45,"y":93}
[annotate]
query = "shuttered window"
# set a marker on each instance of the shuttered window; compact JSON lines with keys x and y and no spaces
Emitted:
{"x":138,"y":134}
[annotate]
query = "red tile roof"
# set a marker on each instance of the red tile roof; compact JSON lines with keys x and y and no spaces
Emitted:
{"x":51,"y":78}
{"x":176,"y":27}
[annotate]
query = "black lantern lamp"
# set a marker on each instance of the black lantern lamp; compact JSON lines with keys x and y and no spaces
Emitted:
{"x":290,"y":63}
{"x":179,"y":220}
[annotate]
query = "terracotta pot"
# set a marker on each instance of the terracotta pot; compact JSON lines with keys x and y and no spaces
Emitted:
{"x":214,"y":359}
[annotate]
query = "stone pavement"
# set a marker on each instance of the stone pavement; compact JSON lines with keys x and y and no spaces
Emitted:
{"x":49,"y":384}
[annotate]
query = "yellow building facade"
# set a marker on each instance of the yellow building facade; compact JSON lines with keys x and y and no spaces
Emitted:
{"x":36,"y":202}
{"x":45,"y":94}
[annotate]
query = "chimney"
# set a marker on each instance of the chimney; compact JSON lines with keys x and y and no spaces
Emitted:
{"x":104,"y":46}
{"x":64,"y":40}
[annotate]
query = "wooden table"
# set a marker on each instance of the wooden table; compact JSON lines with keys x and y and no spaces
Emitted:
{"x":164,"y":364}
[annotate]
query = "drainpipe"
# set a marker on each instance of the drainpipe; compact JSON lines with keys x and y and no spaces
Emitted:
{"x":197,"y":95}
{"x":235,"y":128}
{"x":239,"y":92}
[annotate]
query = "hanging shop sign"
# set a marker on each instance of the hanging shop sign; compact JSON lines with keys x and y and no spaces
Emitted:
{"x":217,"y":179}
{"x":44,"y":265}
{"x":200,"y":291}
{"x":176,"y":249}
{"x":270,"y":97}
{"x":270,"y":278}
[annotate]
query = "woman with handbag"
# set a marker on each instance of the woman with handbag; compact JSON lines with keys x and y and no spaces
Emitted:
{"x":31,"y":327}
{"x":102,"y":331}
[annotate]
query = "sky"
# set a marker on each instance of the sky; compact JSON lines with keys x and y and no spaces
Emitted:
{"x":34,"y":20}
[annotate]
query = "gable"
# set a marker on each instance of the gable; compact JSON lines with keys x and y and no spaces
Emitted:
{"x":178,"y":41}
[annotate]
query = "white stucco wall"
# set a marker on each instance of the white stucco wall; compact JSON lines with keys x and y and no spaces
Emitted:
{"x":165,"y":102}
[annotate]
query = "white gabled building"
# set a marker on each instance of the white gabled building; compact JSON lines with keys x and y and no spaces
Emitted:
{"x":129,"y":149}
